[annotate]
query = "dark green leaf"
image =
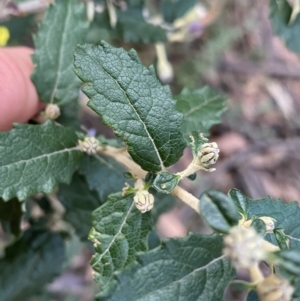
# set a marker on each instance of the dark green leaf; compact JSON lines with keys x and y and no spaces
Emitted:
{"x":34,"y":158}
{"x":165,"y":182}
{"x":63,"y":27}
{"x":174,"y":9}
{"x":286,"y":215}
{"x":30,"y":263}
{"x":280,"y":15}
{"x":218,"y":210}
{"x":130,"y":99}
{"x":119,"y":232}
{"x":201,"y":109}
{"x":281,"y":239}
{"x":259,"y":226}
{"x":10,"y":216}
{"x":79,"y":203}
{"x":103,"y":174}
{"x":190,"y":268}
{"x":241,"y":201}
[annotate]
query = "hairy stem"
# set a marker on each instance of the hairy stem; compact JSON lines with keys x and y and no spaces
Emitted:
{"x":122,"y":157}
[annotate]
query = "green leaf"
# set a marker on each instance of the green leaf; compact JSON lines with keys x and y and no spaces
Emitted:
{"x":30,"y":263}
{"x":10,"y":216}
{"x":240,"y":200}
{"x":281,"y":239}
{"x":34,"y":158}
{"x":190,"y":268}
{"x":201,"y":109}
{"x":173,"y":10}
{"x":280,"y":15}
{"x":286,"y":215}
{"x":63,"y":27}
{"x":131,"y":100}
{"x":104,"y":175}
{"x":218,"y":210}
{"x":259,"y":226}
{"x":119,"y":232}
{"x":79,"y":202}
{"x":165,"y":182}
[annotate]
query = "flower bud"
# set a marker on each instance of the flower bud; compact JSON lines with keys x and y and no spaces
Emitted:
{"x":208,"y":154}
{"x":164,"y":67}
{"x":52,"y":111}
{"x":274,"y":288}
{"x":89,"y":145}
{"x":244,"y":247}
{"x":143,"y":200}
{"x":269,"y":222}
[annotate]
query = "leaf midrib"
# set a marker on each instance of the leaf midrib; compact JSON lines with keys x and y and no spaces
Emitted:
{"x":41,"y":156}
{"x":182,"y":279}
{"x":132,"y":106}
{"x":201,"y":105}
{"x":116,"y":235}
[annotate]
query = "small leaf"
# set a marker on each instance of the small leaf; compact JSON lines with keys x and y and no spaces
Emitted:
{"x":30,"y":263}
{"x":218,"y":210}
{"x":259,"y":226}
{"x":173,"y":10}
{"x":102,"y":174}
{"x":63,"y":27}
{"x":190,"y":268}
{"x":69,"y":116}
{"x":131,"y":100}
{"x":34,"y":158}
{"x":165,"y":182}
{"x":79,"y":202}
{"x":119,"y":232}
{"x":10,"y":216}
{"x":281,"y":239}
{"x":240,"y":200}
{"x":201,"y":109}
{"x":280,"y":15}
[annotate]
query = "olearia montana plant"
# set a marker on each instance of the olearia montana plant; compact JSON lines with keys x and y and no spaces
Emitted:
{"x":112,"y":191}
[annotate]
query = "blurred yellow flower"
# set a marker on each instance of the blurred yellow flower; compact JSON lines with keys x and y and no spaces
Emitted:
{"x":4,"y":35}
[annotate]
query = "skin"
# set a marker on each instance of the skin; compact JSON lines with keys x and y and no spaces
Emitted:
{"x":18,"y":98}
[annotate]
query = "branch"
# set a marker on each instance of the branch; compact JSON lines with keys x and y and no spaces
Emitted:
{"x":122,"y":157}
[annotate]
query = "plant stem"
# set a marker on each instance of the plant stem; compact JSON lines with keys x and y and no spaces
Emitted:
{"x":256,"y":274}
{"x":122,"y":157}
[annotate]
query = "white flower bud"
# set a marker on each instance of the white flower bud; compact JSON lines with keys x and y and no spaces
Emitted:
{"x":144,"y":201}
{"x":208,"y":154}
{"x":89,"y":145}
{"x":244,"y":247}
{"x":274,"y":288}
{"x":269,"y":222}
{"x":52,"y":111}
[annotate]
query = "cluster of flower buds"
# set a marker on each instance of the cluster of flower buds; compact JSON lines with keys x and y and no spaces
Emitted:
{"x":89,"y":145}
{"x":52,"y":111}
{"x":274,"y":288}
{"x":143,"y":200}
{"x":244,"y":247}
